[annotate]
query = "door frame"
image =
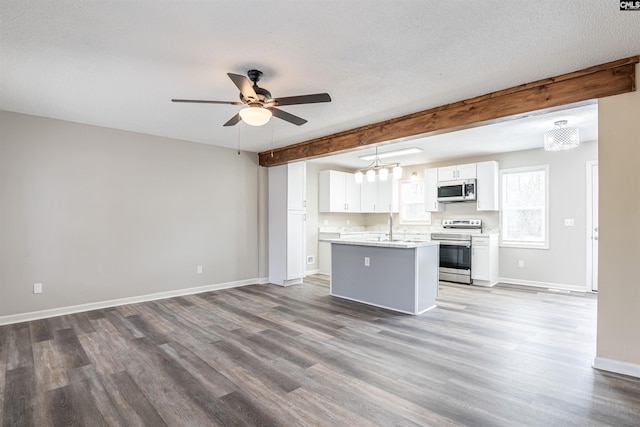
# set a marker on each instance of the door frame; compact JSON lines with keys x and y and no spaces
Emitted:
{"x":589,"y":226}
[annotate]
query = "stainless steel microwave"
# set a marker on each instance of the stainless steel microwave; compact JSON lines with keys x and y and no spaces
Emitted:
{"x":457,"y":191}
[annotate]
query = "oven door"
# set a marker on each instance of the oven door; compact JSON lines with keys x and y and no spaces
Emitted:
{"x":455,"y":261}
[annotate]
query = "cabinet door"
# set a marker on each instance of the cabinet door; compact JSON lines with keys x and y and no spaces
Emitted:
{"x":295,"y":245}
{"x":296,"y":185}
{"x":487,"y":192}
{"x":384,"y":198}
{"x":456,"y":172}
{"x":480,"y":263}
{"x":467,"y":171}
{"x":337,"y":194}
{"x":368,"y":196}
{"x":352,"y":193}
{"x":447,"y":173}
{"x":431,"y":191}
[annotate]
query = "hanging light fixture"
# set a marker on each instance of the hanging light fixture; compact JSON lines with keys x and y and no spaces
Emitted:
{"x":255,"y":115}
{"x":379,"y":169}
{"x":561,"y":137}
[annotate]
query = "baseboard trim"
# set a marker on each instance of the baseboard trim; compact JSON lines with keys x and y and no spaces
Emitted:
{"x":547,"y":285}
{"x":616,"y":366}
{"x":310,"y":272}
{"x":43,"y":314}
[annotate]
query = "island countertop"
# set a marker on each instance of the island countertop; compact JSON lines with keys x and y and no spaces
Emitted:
{"x":400,"y":244}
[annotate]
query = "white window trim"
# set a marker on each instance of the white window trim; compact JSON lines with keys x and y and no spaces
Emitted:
{"x":400,"y":215}
{"x":527,"y":245}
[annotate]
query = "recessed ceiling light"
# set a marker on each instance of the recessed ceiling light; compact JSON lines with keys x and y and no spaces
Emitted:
{"x":393,"y":153}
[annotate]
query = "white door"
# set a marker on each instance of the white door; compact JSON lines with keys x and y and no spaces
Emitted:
{"x":592,"y":225}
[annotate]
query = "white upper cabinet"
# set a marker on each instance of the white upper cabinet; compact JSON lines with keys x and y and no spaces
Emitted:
{"x":487,"y":191}
{"x":368,"y":196}
{"x":379,"y":196}
{"x":431,"y":203}
{"x":456,"y":172}
{"x":296,"y":187}
{"x":387,"y":198}
{"x":338,"y":192}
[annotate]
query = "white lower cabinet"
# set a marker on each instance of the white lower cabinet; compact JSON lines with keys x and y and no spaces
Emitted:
{"x":484,"y":260}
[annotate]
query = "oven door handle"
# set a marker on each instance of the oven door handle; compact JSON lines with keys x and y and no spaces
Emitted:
{"x":453,"y":243}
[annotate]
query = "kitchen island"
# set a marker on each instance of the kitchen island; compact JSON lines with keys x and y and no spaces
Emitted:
{"x":400,"y":276}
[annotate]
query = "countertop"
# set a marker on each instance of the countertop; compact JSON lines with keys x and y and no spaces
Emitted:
{"x":400,"y":244}
{"x":400,"y":232}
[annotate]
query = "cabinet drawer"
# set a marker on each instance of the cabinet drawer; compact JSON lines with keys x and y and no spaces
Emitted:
{"x":479,"y":241}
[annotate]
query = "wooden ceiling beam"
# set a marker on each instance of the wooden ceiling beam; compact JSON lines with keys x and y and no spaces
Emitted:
{"x":612,"y":78}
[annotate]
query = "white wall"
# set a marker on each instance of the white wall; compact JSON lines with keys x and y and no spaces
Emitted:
{"x":618,"y":346}
{"x":564,"y":263}
{"x":98,"y":214}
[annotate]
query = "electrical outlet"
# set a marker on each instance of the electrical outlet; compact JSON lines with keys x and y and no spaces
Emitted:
{"x":520,"y":263}
{"x":326,"y":222}
{"x":310,"y":259}
{"x":367,"y":261}
{"x":199,"y":269}
{"x":348,"y":222}
{"x":37,"y":288}
{"x":568,"y":222}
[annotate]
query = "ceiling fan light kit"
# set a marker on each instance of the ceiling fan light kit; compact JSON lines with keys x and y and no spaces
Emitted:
{"x":255,"y":115}
{"x":260,"y":106}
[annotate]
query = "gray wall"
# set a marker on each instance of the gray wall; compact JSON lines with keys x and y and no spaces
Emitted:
{"x":564,"y":263}
{"x":97,"y":214}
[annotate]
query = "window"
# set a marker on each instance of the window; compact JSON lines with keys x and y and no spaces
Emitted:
{"x":524,"y":214}
{"x":412,"y":209}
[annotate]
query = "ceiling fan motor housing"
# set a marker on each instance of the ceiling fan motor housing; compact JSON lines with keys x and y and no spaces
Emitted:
{"x":263,"y":94}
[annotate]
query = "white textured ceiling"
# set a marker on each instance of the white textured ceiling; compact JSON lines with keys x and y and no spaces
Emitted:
{"x":118,"y":63}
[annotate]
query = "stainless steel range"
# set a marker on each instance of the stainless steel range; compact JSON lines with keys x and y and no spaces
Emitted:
{"x":455,"y":248}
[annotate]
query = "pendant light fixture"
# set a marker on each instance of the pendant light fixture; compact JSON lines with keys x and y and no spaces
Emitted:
{"x":379,"y":169}
{"x":561,"y":137}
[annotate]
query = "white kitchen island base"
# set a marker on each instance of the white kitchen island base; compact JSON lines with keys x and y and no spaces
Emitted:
{"x":398,"y":276}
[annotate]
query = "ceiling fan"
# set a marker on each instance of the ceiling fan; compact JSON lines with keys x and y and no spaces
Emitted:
{"x":260,"y":105}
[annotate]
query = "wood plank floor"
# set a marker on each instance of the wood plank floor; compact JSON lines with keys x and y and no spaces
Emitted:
{"x":265,"y":355}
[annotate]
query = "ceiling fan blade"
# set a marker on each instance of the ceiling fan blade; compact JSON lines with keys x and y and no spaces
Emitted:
{"x":244,"y":85}
{"x":288,"y":117}
{"x":233,"y":120}
{"x":204,"y":101}
{"x":301,"y":99}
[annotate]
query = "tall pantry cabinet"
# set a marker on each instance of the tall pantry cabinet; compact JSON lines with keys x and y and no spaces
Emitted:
{"x":287,"y":215}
